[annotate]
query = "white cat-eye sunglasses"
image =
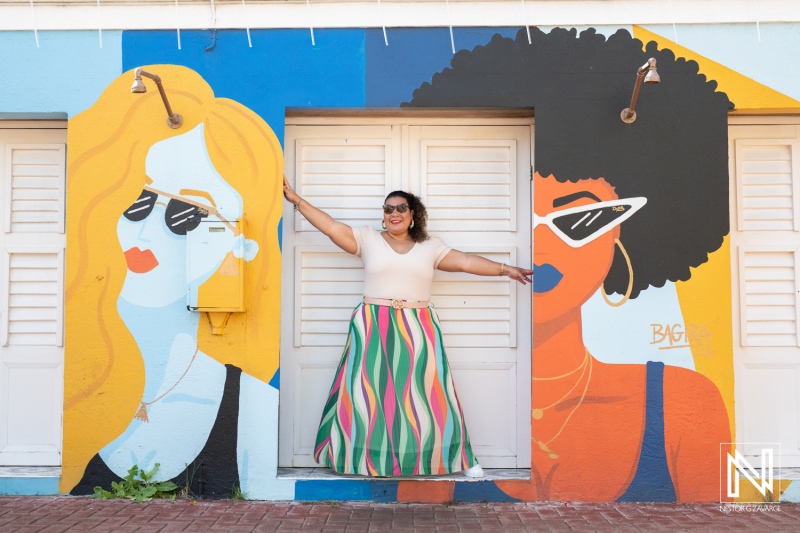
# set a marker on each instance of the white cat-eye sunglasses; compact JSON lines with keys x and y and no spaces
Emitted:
{"x":580,"y":225}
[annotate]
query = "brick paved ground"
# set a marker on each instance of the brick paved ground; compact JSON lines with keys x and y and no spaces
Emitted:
{"x":58,"y":514}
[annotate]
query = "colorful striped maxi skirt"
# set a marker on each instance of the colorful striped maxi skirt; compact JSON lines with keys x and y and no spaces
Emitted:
{"x":393,"y":408}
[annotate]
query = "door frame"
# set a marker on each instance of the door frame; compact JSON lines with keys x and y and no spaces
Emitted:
{"x":524,"y":197}
{"x":51,"y":243}
{"x":739,"y":360}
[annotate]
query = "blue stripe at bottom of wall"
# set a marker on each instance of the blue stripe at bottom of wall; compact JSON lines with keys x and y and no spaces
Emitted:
{"x":386,"y":491}
{"x":29,"y":486}
{"x":347,"y":489}
{"x":480,"y":491}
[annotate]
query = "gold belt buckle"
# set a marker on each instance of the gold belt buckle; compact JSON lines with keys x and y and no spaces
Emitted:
{"x":397,"y":304}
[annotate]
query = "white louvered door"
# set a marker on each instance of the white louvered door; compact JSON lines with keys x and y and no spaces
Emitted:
{"x":475,"y":181}
{"x":32,"y":181}
{"x":765,"y":254}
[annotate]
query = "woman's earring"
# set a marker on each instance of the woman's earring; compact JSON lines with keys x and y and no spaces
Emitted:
{"x":383,"y":224}
{"x":412,"y":224}
{"x":630,"y":279}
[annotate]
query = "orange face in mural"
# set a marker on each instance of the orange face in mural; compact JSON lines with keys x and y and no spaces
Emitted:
{"x":569,"y":272}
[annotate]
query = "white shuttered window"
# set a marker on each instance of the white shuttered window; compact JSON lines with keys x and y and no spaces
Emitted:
{"x":768,"y":289}
{"x":765,"y":255}
{"x":35,"y":191}
{"x":32,"y":181}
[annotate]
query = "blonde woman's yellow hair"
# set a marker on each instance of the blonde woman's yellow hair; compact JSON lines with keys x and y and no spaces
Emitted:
{"x":107,"y":146}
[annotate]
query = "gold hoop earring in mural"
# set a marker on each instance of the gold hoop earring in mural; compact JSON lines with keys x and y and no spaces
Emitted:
{"x":630,"y":279}
{"x":383,"y":224}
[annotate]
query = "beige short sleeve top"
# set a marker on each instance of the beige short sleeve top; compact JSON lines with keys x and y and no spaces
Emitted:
{"x":388,"y":274}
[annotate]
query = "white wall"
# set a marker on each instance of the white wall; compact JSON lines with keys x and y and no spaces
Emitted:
{"x":163,"y":14}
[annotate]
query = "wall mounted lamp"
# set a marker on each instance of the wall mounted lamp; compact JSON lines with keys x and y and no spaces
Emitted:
{"x":647,"y":72}
{"x":174,"y":120}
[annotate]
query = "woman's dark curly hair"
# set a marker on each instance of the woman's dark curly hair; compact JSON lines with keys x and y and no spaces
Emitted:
{"x":419,"y":232}
{"x":675,"y":154}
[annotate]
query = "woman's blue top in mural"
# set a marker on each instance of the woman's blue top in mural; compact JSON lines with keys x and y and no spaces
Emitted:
{"x":214,"y":473}
{"x":652,"y":482}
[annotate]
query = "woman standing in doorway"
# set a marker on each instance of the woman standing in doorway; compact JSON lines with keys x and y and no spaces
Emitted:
{"x":393,"y":408}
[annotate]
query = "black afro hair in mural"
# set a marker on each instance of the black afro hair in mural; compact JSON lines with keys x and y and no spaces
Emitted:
{"x":675,"y":154}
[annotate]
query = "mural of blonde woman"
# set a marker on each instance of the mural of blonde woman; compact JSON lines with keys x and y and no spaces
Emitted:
{"x":146,"y":380}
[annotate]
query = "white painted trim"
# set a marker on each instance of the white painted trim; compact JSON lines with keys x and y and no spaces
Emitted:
{"x":762,"y":120}
{"x":367,"y":119}
{"x":797,"y":294}
{"x":60,"y":314}
{"x":7,"y":171}
{"x":4,"y":296}
{"x":154,"y":14}
{"x":796,"y":186}
{"x":33,"y":124}
{"x":30,"y":471}
{"x":298,"y":289}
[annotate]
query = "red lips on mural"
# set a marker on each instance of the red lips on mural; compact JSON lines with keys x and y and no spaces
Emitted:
{"x":140,"y":261}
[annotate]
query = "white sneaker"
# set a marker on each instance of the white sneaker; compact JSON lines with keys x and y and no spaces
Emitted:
{"x":475,"y":471}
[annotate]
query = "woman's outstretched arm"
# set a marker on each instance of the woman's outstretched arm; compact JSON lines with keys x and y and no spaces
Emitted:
{"x":341,"y":234}
{"x":457,"y":261}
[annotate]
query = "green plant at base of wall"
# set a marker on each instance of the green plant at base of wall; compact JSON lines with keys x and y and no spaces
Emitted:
{"x":186,"y":490}
{"x":138,"y":486}
{"x":237,"y":494}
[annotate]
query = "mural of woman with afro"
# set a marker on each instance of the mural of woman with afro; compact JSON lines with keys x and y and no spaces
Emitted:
{"x":147,"y":383}
{"x":620,"y":208}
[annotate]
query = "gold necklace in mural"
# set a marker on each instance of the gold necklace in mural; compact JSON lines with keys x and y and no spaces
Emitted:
{"x":545,"y":446}
{"x":538,"y":413}
{"x":579,"y":367}
{"x":141,"y":414}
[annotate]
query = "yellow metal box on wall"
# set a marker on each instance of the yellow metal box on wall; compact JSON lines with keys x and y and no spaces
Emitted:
{"x":223,"y":289}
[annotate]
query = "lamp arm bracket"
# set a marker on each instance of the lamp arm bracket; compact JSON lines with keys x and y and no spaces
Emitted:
{"x":139,"y":73}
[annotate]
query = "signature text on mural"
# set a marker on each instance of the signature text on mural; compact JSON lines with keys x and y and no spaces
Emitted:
{"x":671,"y":336}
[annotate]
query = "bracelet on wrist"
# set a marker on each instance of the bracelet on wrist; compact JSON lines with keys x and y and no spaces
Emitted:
{"x":502,"y":269}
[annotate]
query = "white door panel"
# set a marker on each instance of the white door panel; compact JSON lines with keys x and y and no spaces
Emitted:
{"x":765,"y":255}
{"x":345,"y":171}
{"x":470,"y":177}
{"x":32,"y":181}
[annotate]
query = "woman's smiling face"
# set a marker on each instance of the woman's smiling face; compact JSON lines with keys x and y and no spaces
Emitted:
{"x":566,"y":276}
{"x":396,"y":222}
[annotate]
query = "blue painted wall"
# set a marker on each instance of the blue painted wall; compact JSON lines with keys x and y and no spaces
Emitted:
{"x":281,"y":70}
{"x":65,"y":74}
